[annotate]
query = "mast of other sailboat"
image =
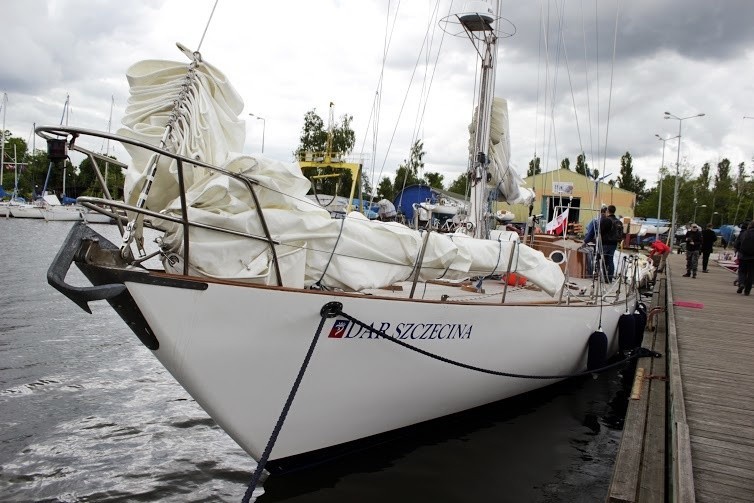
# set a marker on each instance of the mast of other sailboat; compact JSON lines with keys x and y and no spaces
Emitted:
{"x":4,"y":105}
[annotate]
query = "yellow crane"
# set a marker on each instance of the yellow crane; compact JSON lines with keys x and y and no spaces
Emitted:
{"x":330,"y":159}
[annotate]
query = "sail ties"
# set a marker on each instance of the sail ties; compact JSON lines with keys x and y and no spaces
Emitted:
{"x":170,"y":138}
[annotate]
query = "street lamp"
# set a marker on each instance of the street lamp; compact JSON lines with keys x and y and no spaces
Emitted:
{"x":680,"y":120}
{"x":713,"y":218}
{"x":695,"y":207}
{"x":264,"y":126}
{"x":659,"y":196}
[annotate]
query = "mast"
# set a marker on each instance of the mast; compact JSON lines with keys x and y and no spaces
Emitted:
{"x":478,"y":25}
{"x":4,"y":105}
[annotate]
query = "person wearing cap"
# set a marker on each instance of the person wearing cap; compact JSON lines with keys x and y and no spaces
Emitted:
{"x":708,"y":240}
{"x":693,"y":246}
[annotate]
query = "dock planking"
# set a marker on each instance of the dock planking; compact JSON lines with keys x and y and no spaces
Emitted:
{"x":710,"y":421}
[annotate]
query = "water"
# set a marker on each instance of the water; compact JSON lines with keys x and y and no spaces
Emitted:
{"x":87,"y":414}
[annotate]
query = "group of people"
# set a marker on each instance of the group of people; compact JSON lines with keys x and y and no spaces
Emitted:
{"x":700,"y":242}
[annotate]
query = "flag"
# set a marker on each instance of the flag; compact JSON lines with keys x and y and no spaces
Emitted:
{"x":558,"y":224}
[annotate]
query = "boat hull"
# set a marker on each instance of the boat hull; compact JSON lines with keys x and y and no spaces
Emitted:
{"x":25,"y":211}
{"x":237,"y":351}
{"x":237,"y":348}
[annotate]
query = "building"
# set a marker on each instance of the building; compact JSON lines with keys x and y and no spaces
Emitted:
{"x":563,"y":188}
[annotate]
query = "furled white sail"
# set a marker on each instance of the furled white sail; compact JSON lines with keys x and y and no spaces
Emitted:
{"x":200,"y":108}
{"x":511,"y":188}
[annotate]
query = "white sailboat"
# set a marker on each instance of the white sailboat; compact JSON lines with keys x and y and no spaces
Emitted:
{"x":373,"y":325}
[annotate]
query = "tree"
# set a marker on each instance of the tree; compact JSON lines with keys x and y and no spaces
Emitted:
{"x":582,"y":167}
{"x":627,"y":180}
{"x":408,"y":172}
{"x":434,"y":179}
{"x":534,"y":168}
{"x":565,"y":164}
{"x":460,"y":185}
{"x":722,"y":191}
{"x":385,"y":189}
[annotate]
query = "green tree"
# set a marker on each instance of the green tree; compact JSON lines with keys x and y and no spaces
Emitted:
{"x":460,"y":185}
{"x":408,"y":172}
{"x":565,"y":164}
{"x":722,"y":191}
{"x":434,"y":180}
{"x":582,"y":167}
{"x":534,"y":168}
{"x":385,"y":189}
{"x":627,"y":180}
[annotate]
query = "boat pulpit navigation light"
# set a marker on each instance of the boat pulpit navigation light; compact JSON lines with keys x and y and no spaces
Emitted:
{"x":57,"y":149}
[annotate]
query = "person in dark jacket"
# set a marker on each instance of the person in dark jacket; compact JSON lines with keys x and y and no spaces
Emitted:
{"x":609,"y":244}
{"x":708,"y":240}
{"x":693,"y":246}
{"x":744,"y":246}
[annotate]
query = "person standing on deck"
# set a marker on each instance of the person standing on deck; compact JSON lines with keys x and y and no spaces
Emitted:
{"x":609,"y":241}
{"x":708,"y":240}
{"x":693,"y":245}
{"x":595,"y":234}
{"x":742,"y":228}
{"x":744,"y":246}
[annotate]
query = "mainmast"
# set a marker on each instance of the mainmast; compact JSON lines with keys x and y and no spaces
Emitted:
{"x":479,"y":23}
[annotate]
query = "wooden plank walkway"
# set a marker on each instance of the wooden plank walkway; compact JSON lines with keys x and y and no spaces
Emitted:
{"x":691,"y":437}
{"x":715,"y":352}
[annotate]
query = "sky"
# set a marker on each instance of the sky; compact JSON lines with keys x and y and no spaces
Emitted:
{"x":573,"y":82}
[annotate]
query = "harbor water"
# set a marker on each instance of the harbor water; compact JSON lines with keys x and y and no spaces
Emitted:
{"x":87,"y":414}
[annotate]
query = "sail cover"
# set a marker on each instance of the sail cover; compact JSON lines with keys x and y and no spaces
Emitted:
{"x":199,"y":109}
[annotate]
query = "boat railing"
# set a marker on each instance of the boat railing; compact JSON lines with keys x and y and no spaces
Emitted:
{"x":71,"y":134}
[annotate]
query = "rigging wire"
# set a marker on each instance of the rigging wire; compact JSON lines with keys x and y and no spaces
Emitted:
{"x":199,"y":47}
{"x":610,"y":93}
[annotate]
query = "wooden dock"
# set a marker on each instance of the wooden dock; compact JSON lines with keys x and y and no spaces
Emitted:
{"x":689,"y":434}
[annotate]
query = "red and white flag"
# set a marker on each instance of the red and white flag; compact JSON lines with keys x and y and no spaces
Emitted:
{"x":558,"y":224}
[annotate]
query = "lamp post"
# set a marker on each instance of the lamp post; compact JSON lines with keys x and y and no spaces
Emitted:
{"x":695,"y":207}
{"x":264,"y":126}
{"x":659,"y":196}
{"x":713,"y":218}
{"x":680,"y":120}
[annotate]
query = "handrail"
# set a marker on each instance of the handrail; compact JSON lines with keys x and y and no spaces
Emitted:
{"x":58,"y":131}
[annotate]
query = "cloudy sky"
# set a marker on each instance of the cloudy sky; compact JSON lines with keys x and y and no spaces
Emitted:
{"x":561,"y":73}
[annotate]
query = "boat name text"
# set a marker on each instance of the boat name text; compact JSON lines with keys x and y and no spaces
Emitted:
{"x":344,"y":329}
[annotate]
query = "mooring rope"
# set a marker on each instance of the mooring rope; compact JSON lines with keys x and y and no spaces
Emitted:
{"x":326,"y":312}
{"x":333,"y":309}
{"x":337,"y":308}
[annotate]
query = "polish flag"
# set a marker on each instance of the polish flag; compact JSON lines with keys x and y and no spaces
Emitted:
{"x":558,"y":224}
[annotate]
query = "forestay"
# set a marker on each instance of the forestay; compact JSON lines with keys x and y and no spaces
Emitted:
{"x":351,"y":254}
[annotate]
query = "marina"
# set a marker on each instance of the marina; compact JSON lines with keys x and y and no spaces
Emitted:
{"x":228,"y":325}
